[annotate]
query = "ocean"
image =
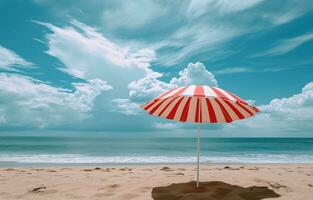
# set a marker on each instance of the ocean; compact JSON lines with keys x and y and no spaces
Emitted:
{"x":82,"y":150}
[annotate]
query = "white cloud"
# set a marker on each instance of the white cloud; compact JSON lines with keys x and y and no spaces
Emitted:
{"x":296,"y":107}
{"x":208,"y":26}
{"x":194,"y":74}
{"x":282,"y":13}
{"x":167,"y":126}
{"x":9,"y":59}
{"x":292,"y":114}
{"x":226,"y":6}
{"x":250,"y":101}
{"x":198,"y":28}
{"x":196,"y":38}
{"x":287,"y":45}
{"x":132,"y":14}
{"x":148,"y":87}
{"x":199,"y":7}
{"x":98,"y":46}
{"x":28,"y":102}
{"x":233,"y":70}
{"x":85,"y":93}
{"x":280,"y":116}
{"x":88,"y":54}
{"x":127,"y":107}
{"x":286,"y":17}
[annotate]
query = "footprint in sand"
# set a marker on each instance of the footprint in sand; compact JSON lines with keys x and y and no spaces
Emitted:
{"x":114,"y":186}
{"x":39,"y":169}
{"x":9,"y":169}
{"x":231,"y":168}
{"x":87,"y":170}
{"x":166,"y":169}
{"x":273,"y":185}
{"x":42,"y":190}
{"x":38,"y":189}
{"x":125,"y":169}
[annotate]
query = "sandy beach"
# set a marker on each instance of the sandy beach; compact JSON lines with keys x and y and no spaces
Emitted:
{"x":283,"y":182}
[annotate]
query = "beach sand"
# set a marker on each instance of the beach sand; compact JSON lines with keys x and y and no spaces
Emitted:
{"x":236,"y":182}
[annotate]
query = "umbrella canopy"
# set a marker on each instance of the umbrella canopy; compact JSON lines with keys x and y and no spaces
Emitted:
{"x":200,"y":104}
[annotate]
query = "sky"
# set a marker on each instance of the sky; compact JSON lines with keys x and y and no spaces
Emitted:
{"x":86,"y":66}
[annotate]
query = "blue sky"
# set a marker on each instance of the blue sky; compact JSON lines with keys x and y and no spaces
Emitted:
{"x":80,"y":66}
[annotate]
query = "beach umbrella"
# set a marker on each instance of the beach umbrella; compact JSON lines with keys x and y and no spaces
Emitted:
{"x":200,"y":104}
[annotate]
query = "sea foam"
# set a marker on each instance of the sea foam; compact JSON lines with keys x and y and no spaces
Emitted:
{"x":82,"y":159}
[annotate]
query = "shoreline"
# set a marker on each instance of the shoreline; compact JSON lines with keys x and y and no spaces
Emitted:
{"x":81,"y":165}
{"x":135,"y":182}
{"x":149,"y":164}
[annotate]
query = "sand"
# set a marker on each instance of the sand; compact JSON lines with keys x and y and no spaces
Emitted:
{"x":235,"y":182}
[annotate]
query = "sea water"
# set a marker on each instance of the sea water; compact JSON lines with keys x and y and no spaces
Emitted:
{"x":74,"y":150}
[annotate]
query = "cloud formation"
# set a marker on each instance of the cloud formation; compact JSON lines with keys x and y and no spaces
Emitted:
{"x":210,"y":25}
{"x":87,"y":54}
{"x":285,"y":46}
{"x":133,"y":52}
{"x":132,"y":14}
{"x":125,"y":106}
{"x":9,"y":59}
{"x":233,"y":70}
{"x":194,"y":74}
{"x":291,"y":114}
{"x":197,"y":8}
{"x":150,"y":86}
{"x":283,"y":12}
{"x":31,"y":103}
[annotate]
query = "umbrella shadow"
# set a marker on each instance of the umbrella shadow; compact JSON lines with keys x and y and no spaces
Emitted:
{"x":214,"y":190}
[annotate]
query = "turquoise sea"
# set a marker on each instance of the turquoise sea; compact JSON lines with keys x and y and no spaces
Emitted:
{"x":75,"y":150}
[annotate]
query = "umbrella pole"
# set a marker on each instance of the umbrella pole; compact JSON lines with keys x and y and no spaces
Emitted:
{"x":198,"y":155}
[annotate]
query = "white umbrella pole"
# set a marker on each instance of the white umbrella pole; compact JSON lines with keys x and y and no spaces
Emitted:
{"x":198,"y":155}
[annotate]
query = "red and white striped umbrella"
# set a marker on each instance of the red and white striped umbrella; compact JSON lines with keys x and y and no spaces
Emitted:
{"x":200,"y":104}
